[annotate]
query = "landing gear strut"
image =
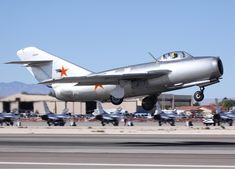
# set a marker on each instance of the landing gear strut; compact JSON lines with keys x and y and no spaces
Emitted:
{"x":199,"y":95}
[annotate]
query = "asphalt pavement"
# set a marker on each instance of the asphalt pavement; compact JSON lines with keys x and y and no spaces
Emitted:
{"x":116,"y":151}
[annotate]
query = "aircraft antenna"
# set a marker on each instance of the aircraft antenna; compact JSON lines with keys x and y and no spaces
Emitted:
{"x":152,"y":56}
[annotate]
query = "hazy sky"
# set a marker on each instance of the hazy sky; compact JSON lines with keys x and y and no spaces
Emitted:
{"x":100,"y":35}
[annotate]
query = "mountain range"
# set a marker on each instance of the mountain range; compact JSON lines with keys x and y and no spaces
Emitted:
{"x":11,"y":88}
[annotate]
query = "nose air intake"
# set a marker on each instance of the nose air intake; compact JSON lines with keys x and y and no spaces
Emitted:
{"x":220,"y":66}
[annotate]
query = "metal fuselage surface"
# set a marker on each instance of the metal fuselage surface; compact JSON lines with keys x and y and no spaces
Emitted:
{"x":193,"y":71}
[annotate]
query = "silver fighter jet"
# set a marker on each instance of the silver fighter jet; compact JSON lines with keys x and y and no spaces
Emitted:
{"x":172,"y":71}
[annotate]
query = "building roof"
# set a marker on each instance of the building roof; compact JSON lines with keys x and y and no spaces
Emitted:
{"x":189,"y":108}
{"x":210,"y":108}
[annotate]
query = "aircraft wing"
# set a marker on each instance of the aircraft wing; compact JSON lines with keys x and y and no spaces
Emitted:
{"x":94,"y":79}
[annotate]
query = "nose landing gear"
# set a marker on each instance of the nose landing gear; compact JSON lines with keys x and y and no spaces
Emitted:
{"x":199,"y":95}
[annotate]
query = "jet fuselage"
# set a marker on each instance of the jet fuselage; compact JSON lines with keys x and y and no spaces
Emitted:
{"x":183,"y":73}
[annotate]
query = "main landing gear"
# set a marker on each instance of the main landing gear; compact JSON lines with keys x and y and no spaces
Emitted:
{"x":149,"y":102}
{"x":116,"y":101}
{"x":199,"y":95}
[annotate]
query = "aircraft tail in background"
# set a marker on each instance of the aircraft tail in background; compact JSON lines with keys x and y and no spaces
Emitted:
{"x":99,"y":110}
{"x":46,"y":108}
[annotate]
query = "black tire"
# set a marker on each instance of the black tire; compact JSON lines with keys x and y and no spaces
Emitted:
{"x":62,"y":123}
{"x":157,"y":117}
{"x":149,"y":102}
{"x":115,"y":123}
{"x":116,"y":101}
{"x":172,"y":122}
{"x":198,"y":96}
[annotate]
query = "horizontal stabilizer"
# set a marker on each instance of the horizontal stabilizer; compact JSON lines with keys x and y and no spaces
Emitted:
{"x":30,"y":62}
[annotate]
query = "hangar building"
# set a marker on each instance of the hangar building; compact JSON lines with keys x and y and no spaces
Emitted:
{"x":34,"y":103}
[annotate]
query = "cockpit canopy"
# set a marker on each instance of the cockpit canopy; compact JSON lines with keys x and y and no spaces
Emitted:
{"x":177,"y":55}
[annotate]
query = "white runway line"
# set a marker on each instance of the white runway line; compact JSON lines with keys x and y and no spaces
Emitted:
{"x":117,"y":165}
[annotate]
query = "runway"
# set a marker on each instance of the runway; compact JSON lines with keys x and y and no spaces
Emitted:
{"x":116,"y":151}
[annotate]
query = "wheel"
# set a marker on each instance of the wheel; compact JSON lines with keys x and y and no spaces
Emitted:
{"x":11,"y":123}
{"x":157,"y":117}
{"x":149,"y":102}
{"x":116,"y":101}
{"x":61,"y":123}
{"x":172,"y":122}
{"x":198,"y":96}
{"x":115,"y":123}
{"x":230,"y":122}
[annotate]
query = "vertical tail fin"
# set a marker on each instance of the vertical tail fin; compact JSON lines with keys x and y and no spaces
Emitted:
{"x":46,"y":108}
{"x":99,"y":109}
{"x":158,"y":108}
{"x":44,"y":66}
{"x":218,"y":109}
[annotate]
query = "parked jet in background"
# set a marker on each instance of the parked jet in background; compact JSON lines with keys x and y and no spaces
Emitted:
{"x":166,"y":116}
{"x":105,"y":117}
{"x":9,"y":118}
{"x":172,"y":71}
{"x":223,"y":117}
{"x":146,"y":115}
{"x":53,"y":118}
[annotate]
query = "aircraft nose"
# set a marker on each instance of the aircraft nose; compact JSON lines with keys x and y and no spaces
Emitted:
{"x":217,"y":65}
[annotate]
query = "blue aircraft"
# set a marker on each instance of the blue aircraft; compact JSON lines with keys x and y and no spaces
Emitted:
{"x":9,"y":118}
{"x":53,"y":118}
{"x":108,"y":117}
{"x":167,"y":116}
{"x":223,"y":117}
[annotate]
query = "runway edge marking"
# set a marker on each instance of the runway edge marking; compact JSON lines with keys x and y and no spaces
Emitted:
{"x":117,"y":165}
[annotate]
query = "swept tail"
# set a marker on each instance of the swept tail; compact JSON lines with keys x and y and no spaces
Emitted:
{"x":44,"y":66}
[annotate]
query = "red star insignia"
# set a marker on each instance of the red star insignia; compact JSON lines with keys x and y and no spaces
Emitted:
{"x":63,"y":71}
{"x":98,"y":85}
